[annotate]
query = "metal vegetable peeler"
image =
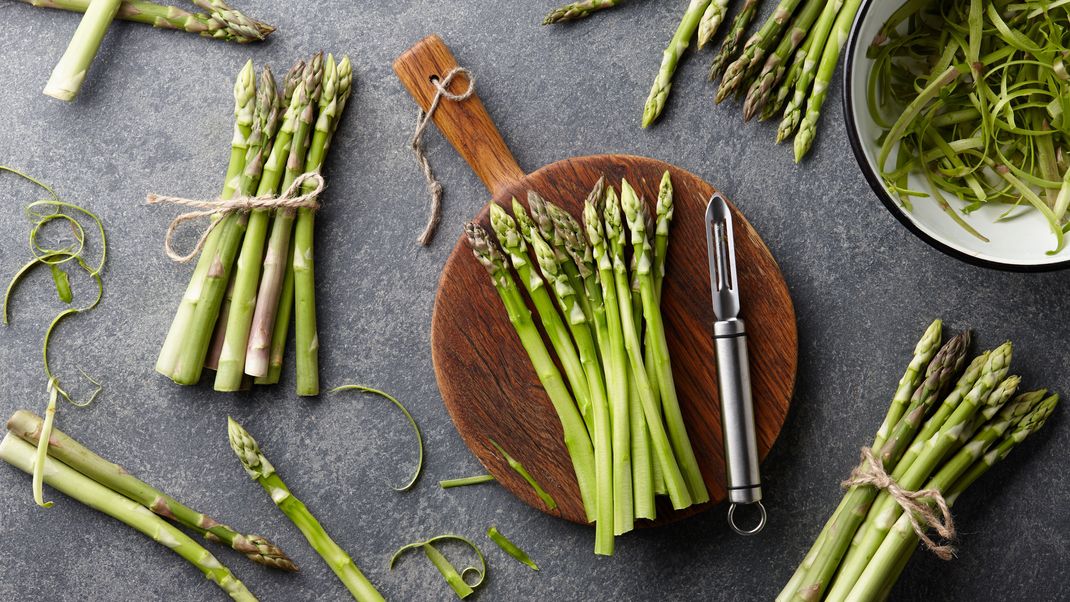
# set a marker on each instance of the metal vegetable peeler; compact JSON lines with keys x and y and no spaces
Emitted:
{"x":743,"y":479}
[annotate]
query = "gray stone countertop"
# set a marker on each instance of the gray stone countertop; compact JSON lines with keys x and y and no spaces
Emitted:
{"x":155,"y":115}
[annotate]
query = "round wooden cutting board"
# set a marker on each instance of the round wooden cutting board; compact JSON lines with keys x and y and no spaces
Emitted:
{"x":488,"y":384}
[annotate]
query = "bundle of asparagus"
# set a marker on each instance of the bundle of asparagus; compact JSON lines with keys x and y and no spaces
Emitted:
{"x":219,"y":21}
{"x":621,"y":417}
{"x":784,"y":67}
{"x":935,"y":451}
{"x":81,"y":474}
{"x":256,"y":267}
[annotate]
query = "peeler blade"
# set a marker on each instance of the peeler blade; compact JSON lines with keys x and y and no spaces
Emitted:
{"x":722,"y":250}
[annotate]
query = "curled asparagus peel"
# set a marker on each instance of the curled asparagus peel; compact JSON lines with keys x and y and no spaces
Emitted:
{"x":260,"y":470}
{"x":511,"y":548}
{"x":412,"y":422}
{"x":455,"y":579}
{"x":62,"y":447}
{"x":65,"y":479}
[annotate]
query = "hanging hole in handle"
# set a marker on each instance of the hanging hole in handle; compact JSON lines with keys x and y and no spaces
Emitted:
{"x":434,"y":79}
{"x":752,"y":531}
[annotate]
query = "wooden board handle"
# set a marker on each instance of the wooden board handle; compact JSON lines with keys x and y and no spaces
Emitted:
{"x":465,"y":124}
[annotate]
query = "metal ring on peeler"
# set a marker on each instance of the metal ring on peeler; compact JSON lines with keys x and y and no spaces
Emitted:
{"x":732,"y":520}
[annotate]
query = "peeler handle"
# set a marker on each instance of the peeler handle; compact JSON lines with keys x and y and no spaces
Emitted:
{"x":743,"y":480}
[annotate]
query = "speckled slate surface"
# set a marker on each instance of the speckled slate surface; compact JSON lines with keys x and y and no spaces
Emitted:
{"x":155,"y":115}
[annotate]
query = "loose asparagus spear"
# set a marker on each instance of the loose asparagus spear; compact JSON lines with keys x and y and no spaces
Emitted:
{"x":670,"y":405}
{"x":230,"y":25}
{"x":674,"y":480}
{"x":577,"y":10}
{"x":68,"y":75}
{"x":793,"y":111}
{"x":659,"y":92}
{"x":740,"y":23}
{"x":560,"y":338}
{"x":58,"y":475}
{"x":787,"y":85}
{"x":246,"y":275}
{"x":280,"y":241}
{"x":246,"y":28}
{"x":818,"y":577}
{"x":711,"y":21}
{"x":830,"y":57}
{"x":775,"y":66}
{"x":615,"y":365}
{"x":753,"y":55}
{"x":260,"y":470}
{"x":577,"y":441}
{"x":171,"y":362}
{"x":1025,"y":415}
{"x":585,"y":345}
{"x":62,"y":447}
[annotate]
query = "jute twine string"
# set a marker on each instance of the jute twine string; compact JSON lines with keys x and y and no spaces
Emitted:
{"x":922,"y":516}
{"x":422,"y":120}
{"x":289,"y":199}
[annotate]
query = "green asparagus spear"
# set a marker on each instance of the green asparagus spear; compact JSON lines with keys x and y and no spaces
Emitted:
{"x":68,"y":75}
{"x":775,"y":66}
{"x":711,"y":21}
{"x":58,"y":475}
{"x":754,"y":51}
{"x":820,"y":33}
{"x":659,"y":92}
{"x":577,"y":10}
{"x":261,"y":471}
{"x":735,"y":34}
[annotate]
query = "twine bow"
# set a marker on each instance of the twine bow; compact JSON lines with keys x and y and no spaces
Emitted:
{"x":922,"y":515}
{"x":422,"y":120}
{"x":289,"y":199}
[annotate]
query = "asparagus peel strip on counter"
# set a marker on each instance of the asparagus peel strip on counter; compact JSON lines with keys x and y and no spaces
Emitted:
{"x":226,"y":24}
{"x":258,"y":468}
{"x":70,"y":452}
{"x":511,"y":548}
{"x":68,"y":481}
{"x":454,"y":578}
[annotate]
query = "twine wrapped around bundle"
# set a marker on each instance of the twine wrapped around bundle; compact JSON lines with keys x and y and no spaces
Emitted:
{"x":922,"y":516}
{"x":289,"y":199}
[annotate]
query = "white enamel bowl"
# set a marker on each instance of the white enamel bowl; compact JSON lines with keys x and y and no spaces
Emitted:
{"x":1020,"y":244}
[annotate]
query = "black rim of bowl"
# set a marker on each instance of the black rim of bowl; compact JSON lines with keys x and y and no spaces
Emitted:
{"x":886,"y":198}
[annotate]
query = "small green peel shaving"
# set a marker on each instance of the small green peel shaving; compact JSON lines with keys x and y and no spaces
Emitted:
{"x":463,"y":481}
{"x":412,"y":422}
{"x":455,"y":579}
{"x":520,"y":470}
{"x":510,"y":548}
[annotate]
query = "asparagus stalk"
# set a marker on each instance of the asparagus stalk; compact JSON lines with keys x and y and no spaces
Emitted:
{"x":260,"y":470}
{"x":281,"y":238}
{"x":168,"y":362}
{"x":68,"y":75}
{"x":642,"y":441}
{"x":659,"y":92}
{"x":543,"y":213}
{"x":791,"y":76}
{"x":775,"y":66}
{"x":885,"y":510}
{"x":570,"y":233}
{"x":505,"y":228}
{"x":247,"y":28}
{"x":615,"y":365}
{"x":19,"y":454}
{"x":818,"y":577}
{"x":670,"y":405}
{"x":711,"y":21}
{"x":830,"y":57}
{"x":229,"y":25}
{"x":246,"y":276}
{"x":588,"y":351}
{"x":257,"y":356}
{"x":740,"y":23}
{"x":576,"y":438}
{"x":822,"y":28}
{"x":219,"y":333}
{"x":577,"y":10}
{"x":674,"y":480}
{"x":1024,"y":415}
{"x":337,"y":85}
{"x":62,"y":447}
{"x":753,"y":54}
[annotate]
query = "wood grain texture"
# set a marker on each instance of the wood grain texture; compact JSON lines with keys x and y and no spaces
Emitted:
{"x":465,"y":124}
{"x":491,"y":390}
